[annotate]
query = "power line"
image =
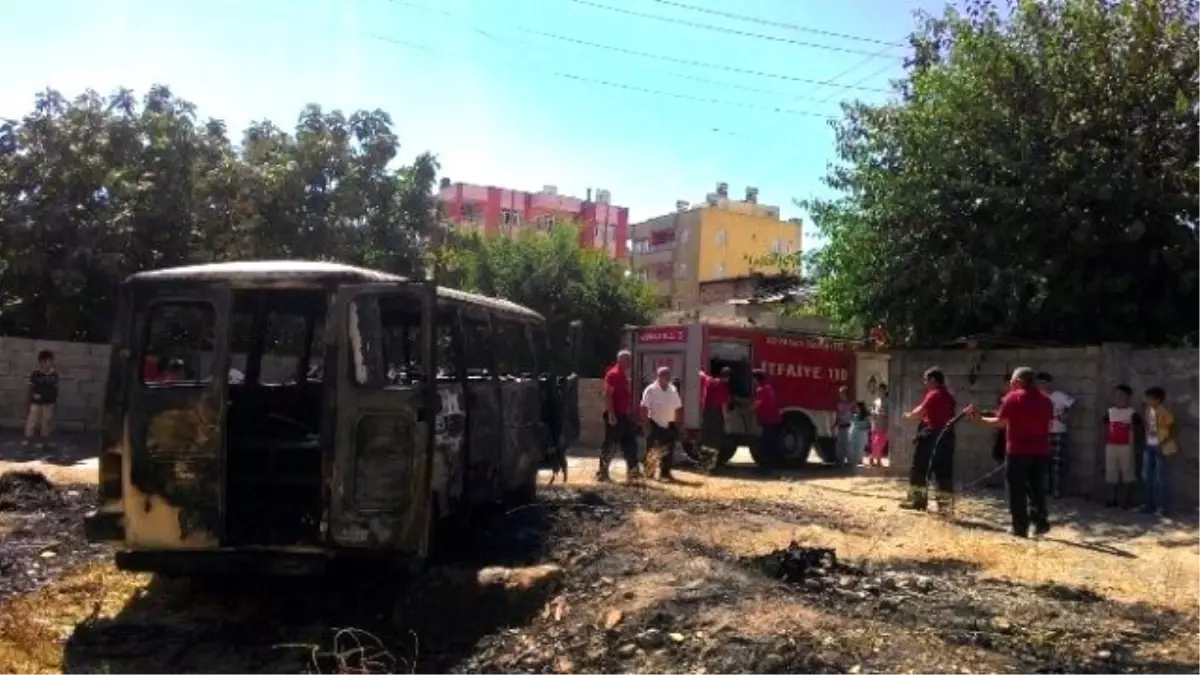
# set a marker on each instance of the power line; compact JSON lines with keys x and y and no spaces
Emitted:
{"x":808,"y":96}
{"x":776,"y":24}
{"x":719,"y":29}
{"x":864,"y":78}
{"x":621,"y":85}
{"x":647,"y":55}
{"x":695,"y":78}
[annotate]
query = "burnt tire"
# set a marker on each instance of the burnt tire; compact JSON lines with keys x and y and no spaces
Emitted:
{"x":795,"y":442}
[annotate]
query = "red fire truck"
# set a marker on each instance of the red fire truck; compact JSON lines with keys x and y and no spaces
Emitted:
{"x":806,"y":371}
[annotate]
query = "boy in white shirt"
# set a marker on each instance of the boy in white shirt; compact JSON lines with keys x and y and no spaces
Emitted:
{"x":661,"y":411}
{"x":1058,"y":432}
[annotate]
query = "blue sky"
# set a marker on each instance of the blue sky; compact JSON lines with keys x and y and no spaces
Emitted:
{"x":494,"y":105}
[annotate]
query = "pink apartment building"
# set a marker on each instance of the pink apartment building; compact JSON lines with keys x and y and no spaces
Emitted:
{"x":495,"y":210}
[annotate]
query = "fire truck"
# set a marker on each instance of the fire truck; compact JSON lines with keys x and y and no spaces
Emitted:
{"x":805,"y":369}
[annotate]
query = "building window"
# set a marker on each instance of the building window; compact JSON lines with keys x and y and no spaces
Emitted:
{"x":776,"y":246}
{"x":683,"y":237}
{"x":722,"y":238}
{"x":681,"y":270}
{"x":469,"y":214}
{"x":545,"y":223}
{"x":662,"y":237}
{"x":510,"y":217}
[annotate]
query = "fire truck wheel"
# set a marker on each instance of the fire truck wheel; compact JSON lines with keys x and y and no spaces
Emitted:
{"x":795,"y":442}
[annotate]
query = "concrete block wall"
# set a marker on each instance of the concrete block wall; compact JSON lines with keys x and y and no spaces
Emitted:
{"x":1176,"y":371}
{"x":1086,"y":373}
{"x":82,"y":370}
{"x":591,"y":412}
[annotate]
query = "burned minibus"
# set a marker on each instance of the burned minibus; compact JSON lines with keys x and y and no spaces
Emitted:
{"x":283,"y":415}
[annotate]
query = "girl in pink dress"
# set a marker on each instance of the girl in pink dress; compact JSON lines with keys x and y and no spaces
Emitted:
{"x":879,"y":427}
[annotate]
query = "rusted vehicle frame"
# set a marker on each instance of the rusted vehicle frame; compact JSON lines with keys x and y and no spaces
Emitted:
{"x":163,"y":461}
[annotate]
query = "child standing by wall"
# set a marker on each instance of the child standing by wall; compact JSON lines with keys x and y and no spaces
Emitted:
{"x":879,"y":427}
{"x":860,"y":431}
{"x":1119,"y":462}
{"x":43,"y":395}
{"x":1160,"y":446}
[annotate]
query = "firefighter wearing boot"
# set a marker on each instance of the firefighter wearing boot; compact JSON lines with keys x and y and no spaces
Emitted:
{"x":933,"y":450}
{"x":620,"y":430}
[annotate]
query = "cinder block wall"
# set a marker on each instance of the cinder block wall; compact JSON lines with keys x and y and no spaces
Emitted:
{"x":1086,"y":373}
{"x":82,"y":370}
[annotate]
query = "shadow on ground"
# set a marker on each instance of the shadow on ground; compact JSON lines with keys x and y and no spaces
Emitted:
{"x":424,"y":623}
{"x":64,"y":449}
{"x":926,"y":614}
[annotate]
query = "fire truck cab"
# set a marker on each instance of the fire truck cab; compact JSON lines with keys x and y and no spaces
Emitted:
{"x":806,"y":371}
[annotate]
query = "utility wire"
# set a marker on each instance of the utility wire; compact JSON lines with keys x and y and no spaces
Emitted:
{"x":646,"y":55}
{"x":809,"y":95}
{"x":860,"y":80}
{"x":776,"y":24}
{"x":694,"y":78}
{"x":620,"y":85}
{"x":721,"y":29}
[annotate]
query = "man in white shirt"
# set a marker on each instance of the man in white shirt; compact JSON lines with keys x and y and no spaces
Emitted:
{"x":661,"y":412}
{"x":1058,"y":431}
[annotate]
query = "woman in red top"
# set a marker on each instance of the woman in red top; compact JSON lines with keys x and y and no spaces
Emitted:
{"x":933,"y":448}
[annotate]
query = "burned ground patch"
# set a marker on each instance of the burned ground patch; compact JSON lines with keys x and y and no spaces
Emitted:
{"x":42,"y":527}
{"x":615,"y":579}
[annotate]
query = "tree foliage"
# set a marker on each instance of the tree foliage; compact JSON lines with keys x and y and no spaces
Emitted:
{"x":97,"y":188}
{"x":551,"y":274}
{"x":1035,"y":177}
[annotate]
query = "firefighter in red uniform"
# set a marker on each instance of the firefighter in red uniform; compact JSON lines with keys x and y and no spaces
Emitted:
{"x":619,"y":426}
{"x":933,"y":447}
{"x":715,"y":398}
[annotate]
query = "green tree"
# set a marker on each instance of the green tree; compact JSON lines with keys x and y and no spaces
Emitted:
{"x":552,"y":274}
{"x":1036,"y":177}
{"x":96,"y":188}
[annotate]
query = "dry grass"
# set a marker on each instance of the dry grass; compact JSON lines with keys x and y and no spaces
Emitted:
{"x":858,"y":519}
{"x":34,"y":627}
{"x":83,"y":473}
{"x":1161,"y":570}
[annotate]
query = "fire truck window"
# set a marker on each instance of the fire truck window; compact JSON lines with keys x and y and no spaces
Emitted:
{"x":736,"y":357}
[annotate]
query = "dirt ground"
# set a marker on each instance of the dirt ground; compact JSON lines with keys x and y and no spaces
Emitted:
{"x":660,"y":578}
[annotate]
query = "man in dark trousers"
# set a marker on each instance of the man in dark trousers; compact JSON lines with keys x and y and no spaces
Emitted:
{"x":766,"y":410}
{"x":934,"y":446}
{"x":1025,"y":415}
{"x":619,"y":427}
{"x":715,"y":399}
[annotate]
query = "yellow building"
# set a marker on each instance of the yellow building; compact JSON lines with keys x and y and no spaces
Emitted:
{"x":720,"y":239}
